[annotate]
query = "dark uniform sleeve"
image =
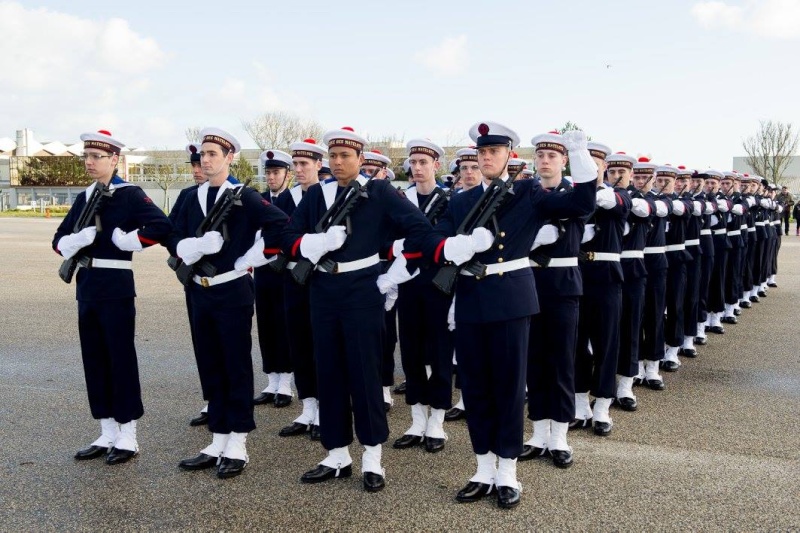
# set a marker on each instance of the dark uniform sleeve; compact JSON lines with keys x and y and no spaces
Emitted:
{"x":178,"y":205}
{"x":299,"y":224}
{"x":266,"y":217}
{"x":68,"y":224}
{"x":575,"y":203}
{"x":407,"y":220}
{"x":623,"y":205}
{"x":153,"y":225}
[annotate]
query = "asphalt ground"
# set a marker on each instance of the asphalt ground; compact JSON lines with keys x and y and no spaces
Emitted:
{"x":718,"y":450}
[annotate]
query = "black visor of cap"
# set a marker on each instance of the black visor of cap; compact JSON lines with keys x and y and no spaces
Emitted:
{"x":493,"y":140}
{"x":274,"y":163}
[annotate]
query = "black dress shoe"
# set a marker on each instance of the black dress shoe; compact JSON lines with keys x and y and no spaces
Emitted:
{"x":745,"y":304}
{"x":729,"y":320}
{"x":507,"y":497}
{"x":687,"y":352}
{"x":562,"y":458}
{"x":199,"y":420}
{"x":581,"y":424}
{"x":655,"y":384}
{"x":737,"y":312}
{"x":407,"y":441}
{"x":282,"y":400}
{"x":400,"y":389}
{"x":433,"y":445}
{"x":707,"y":328}
{"x":773,"y":285}
{"x":532,"y":452}
{"x":762,"y":294}
{"x":264,"y":398}
{"x":701,"y":341}
{"x":324,"y":473}
{"x":294,"y":429}
{"x":474,"y":491}
{"x":230,"y":467}
{"x":454,"y":414}
{"x":116,"y":456}
{"x":201,"y":462}
{"x":387,"y":407}
{"x":627,"y":404}
{"x":314,"y":433}
{"x":92,"y":452}
{"x":754,"y":299}
{"x":669,"y":366}
{"x":637,"y":381}
{"x":719,"y":330}
{"x":373,"y":482}
{"x":602,"y":429}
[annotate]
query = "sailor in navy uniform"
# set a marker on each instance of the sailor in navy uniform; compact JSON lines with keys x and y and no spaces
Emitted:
{"x":346,"y":306}
{"x":426,"y":344}
{"x":223,"y":303}
{"x":493,"y":313}
{"x":376,"y":166}
{"x":554,"y":330}
{"x":729,"y":185}
{"x":691,"y":301}
{"x":716,"y":286}
{"x":597,"y":349}
{"x":624,"y":169}
{"x":700,"y":193}
{"x":193,"y":151}
{"x":306,"y":158}
{"x":273,"y":334}
{"x":515,"y":166}
{"x":749,"y":186}
{"x":105,"y":292}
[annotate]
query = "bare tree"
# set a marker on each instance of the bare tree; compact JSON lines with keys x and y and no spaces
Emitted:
{"x":278,"y":129}
{"x":770,"y":150}
{"x":193,"y":134}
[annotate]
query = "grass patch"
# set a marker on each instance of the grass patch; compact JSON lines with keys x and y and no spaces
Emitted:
{"x":57,"y":212}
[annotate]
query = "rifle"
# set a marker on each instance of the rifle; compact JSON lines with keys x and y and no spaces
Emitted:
{"x":434,"y":205}
{"x":338,"y":214}
{"x":90,"y":214}
{"x":214,"y":221}
{"x":481,"y":214}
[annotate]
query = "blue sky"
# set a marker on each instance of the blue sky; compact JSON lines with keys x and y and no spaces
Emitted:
{"x":687,"y":80}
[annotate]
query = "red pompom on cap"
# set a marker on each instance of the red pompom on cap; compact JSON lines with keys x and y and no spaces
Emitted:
{"x":270,"y":155}
{"x":104,"y":132}
{"x":348,"y":128}
{"x":309,"y":141}
{"x":483,"y":129}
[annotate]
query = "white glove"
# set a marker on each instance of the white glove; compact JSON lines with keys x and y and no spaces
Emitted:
{"x":710,"y":208}
{"x":398,"y":272}
{"x":127,"y":242}
{"x":397,"y":247}
{"x":254,"y":257}
{"x":70,"y":245}
{"x":627,"y":229}
{"x":588,"y":233}
{"x":697,"y":208}
{"x":314,"y":245}
{"x":765,"y":203}
{"x":714,"y":220}
{"x":547,"y":234}
{"x":461,"y":248}
{"x":190,"y":250}
{"x":678,"y":207}
{"x":389,"y":288}
{"x":737,"y":209}
{"x":751,"y":201}
{"x":779,"y":208}
{"x":722,"y":205}
{"x":640,"y":207}
{"x":662,"y":209}
{"x":606,"y":198}
{"x":451,"y":318}
{"x":581,"y":164}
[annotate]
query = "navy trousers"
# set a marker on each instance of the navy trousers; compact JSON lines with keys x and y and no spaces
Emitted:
{"x":301,"y":343}
{"x":691,"y":301}
{"x":675,"y":295}
{"x":631,"y":326}
{"x":655,"y":302}
{"x":389,"y":344}
{"x":273,"y":336}
{"x":599,"y":324}
{"x":716,"y":286}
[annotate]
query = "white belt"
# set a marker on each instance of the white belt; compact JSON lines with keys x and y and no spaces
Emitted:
{"x":753,"y":230}
{"x":352,"y":266}
{"x":291,"y":264}
{"x":118,"y":264}
{"x":557,"y":262}
{"x":735,"y":232}
{"x":776,"y":222}
{"x":675,"y":247}
{"x":210,"y":281}
{"x":693,"y":242}
{"x":720,"y":231}
{"x":502,"y":268}
{"x":603,"y":256}
{"x":655,"y":249}
{"x":743,"y":226}
{"x":632,"y":254}
{"x":705,"y":232}
{"x":761,"y":223}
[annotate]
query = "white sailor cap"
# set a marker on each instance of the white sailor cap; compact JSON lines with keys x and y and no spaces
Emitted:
{"x":467,"y":154}
{"x":425,"y":147}
{"x":667,"y":171}
{"x":406,"y":166}
{"x":644,"y":166}
{"x":729,"y":175}
{"x":308,"y":148}
{"x":492,"y":134}
{"x":713,"y":174}
{"x":389,"y":174}
{"x":346,"y":137}
{"x":453,"y":166}
{"x":598,"y":150}
{"x":275,"y":159}
{"x":222,"y":138}
{"x":515,"y":162}
{"x":528,"y":172}
{"x":193,"y":149}
{"x":102,"y":140}
{"x":551,"y":140}
{"x":620,"y":160}
{"x":375,"y":157}
{"x":684,"y":172}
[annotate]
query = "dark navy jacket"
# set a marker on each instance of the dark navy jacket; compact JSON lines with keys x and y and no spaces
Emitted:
{"x":676,"y":230}
{"x":636,"y":239}
{"x":656,"y":236}
{"x":609,"y":225}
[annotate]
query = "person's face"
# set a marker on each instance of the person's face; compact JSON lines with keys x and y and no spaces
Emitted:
{"x":682,"y":184}
{"x":276,"y":178}
{"x":549,"y":163}
{"x":213,"y":160}
{"x":423,"y":168}
{"x":493,"y":160}
{"x":642,"y":182}
{"x":306,"y":170}
{"x":377,"y":172}
{"x":619,"y":173}
{"x":470,"y":174}
{"x":712,"y":186}
{"x":665,"y":184}
{"x":725,"y":185}
{"x":345,"y":162}
{"x":197,"y":173}
{"x":697,"y":184}
{"x":99,"y":164}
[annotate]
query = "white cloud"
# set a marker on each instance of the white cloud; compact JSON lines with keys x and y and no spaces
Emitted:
{"x":774,"y":19}
{"x":447,"y":58}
